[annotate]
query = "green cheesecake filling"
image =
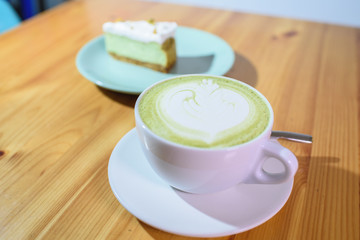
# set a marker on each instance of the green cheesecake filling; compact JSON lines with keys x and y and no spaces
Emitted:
{"x":150,"y":52}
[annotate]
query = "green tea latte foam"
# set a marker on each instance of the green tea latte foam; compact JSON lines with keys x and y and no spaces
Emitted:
{"x":204,"y":111}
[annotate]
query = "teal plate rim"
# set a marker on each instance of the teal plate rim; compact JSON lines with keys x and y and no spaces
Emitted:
{"x":198,"y":52}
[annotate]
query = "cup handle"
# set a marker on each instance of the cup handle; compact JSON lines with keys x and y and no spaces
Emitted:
{"x":273,"y":149}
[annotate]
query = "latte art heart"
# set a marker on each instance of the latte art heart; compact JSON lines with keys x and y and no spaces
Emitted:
{"x":205,"y":112}
{"x":202,"y":107}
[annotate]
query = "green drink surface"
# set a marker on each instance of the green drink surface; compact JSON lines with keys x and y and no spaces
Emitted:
{"x":204,"y":111}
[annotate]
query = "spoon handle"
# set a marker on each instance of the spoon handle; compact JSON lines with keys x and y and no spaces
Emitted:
{"x":297,"y":137}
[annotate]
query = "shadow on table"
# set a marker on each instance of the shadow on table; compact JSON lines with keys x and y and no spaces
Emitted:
{"x":122,"y":98}
{"x":243,"y":70}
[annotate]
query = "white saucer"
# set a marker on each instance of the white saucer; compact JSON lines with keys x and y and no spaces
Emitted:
{"x":154,"y":202}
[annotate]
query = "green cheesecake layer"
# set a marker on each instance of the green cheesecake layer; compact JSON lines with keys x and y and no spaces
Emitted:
{"x":151,"y":52}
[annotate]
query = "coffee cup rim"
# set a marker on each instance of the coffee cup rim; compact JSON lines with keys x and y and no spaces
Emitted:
{"x":266,"y":132}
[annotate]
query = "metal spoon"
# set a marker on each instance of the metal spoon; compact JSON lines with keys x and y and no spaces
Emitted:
{"x":297,"y":137}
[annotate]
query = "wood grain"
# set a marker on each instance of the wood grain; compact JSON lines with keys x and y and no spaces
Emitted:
{"x":57,"y":130}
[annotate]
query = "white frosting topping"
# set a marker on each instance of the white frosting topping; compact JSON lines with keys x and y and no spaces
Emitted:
{"x":142,"y":30}
{"x":204,"y":107}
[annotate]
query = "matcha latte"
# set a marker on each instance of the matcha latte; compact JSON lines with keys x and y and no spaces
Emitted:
{"x":204,"y":111}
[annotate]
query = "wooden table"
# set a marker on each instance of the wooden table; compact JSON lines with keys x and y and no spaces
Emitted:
{"x":57,"y":129}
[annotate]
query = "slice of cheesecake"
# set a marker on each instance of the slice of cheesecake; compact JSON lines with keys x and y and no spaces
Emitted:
{"x":145,"y":43}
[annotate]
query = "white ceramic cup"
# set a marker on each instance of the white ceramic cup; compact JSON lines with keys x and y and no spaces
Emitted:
{"x":199,"y":170}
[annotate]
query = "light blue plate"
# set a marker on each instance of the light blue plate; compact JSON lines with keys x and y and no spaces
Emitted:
{"x":198,"y":52}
